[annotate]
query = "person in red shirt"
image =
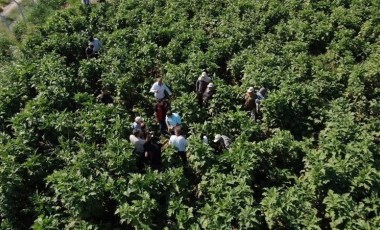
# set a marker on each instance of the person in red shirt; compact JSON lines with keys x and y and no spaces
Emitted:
{"x":160,"y":110}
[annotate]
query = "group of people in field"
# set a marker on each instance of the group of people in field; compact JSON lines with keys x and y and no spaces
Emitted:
{"x":147,"y":145}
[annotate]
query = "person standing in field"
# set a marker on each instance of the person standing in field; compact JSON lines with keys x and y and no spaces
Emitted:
{"x":152,"y":148}
{"x":159,"y":88}
{"x":260,"y":96}
{"x":250,"y":102}
{"x":138,"y":142}
{"x":208,"y":93}
{"x":179,"y":143}
{"x":160,"y":110}
{"x":201,"y":86}
{"x":172,"y":120}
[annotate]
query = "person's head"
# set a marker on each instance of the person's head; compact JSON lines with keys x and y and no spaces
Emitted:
{"x":210,"y":86}
{"x":263,"y":91}
{"x":105,"y":91}
{"x":136,"y":133}
{"x":203,"y":75}
{"x":91,"y":38}
{"x":139,"y":120}
{"x":218,"y":138}
{"x":178,"y":131}
{"x":159,"y":80}
{"x":251,"y":90}
{"x":169,"y":113}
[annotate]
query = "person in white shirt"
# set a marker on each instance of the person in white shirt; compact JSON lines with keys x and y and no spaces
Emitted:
{"x":96,"y":42}
{"x":159,"y":88}
{"x":179,"y":143}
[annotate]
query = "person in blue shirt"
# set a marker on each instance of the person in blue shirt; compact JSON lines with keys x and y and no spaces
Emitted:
{"x":172,"y":120}
{"x":260,"y":96}
{"x":139,"y":124}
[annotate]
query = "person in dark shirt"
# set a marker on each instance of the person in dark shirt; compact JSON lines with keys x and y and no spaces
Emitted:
{"x":105,"y":97}
{"x":221,"y":143}
{"x":160,"y":110}
{"x":152,"y":148}
{"x":90,"y":53}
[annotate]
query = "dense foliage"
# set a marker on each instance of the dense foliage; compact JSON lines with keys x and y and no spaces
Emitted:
{"x":313,"y":162}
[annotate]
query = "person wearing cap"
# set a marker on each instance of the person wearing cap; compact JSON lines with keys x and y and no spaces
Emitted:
{"x":159,"y":88}
{"x":222,"y":143}
{"x":139,"y":124}
{"x":250,"y":101}
{"x":201,"y":86}
{"x":172,"y":120}
{"x":260,"y":96}
{"x":96,"y":42}
{"x":208,"y":93}
{"x":160,"y":110}
{"x":90,"y":53}
{"x":179,"y":143}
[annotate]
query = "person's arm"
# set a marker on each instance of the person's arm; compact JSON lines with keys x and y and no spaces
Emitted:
{"x":178,"y":120}
{"x":197,"y":85}
{"x":171,"y":141}
{"x":167,"y":123}
{"x":153,"y":89}
{"x":167,"y":90}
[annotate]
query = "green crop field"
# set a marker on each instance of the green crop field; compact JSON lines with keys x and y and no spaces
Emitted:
{"x":312,"y":161}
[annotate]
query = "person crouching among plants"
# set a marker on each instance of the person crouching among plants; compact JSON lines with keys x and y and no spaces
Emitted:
{"x":90,"y":53}
{"x":179,"y":142}
{"x":105,"y":96}
{"x":221,"y":143}
{"x":96,"y":42}
{"x":172,"y":120}
{"x":139,"y":125}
